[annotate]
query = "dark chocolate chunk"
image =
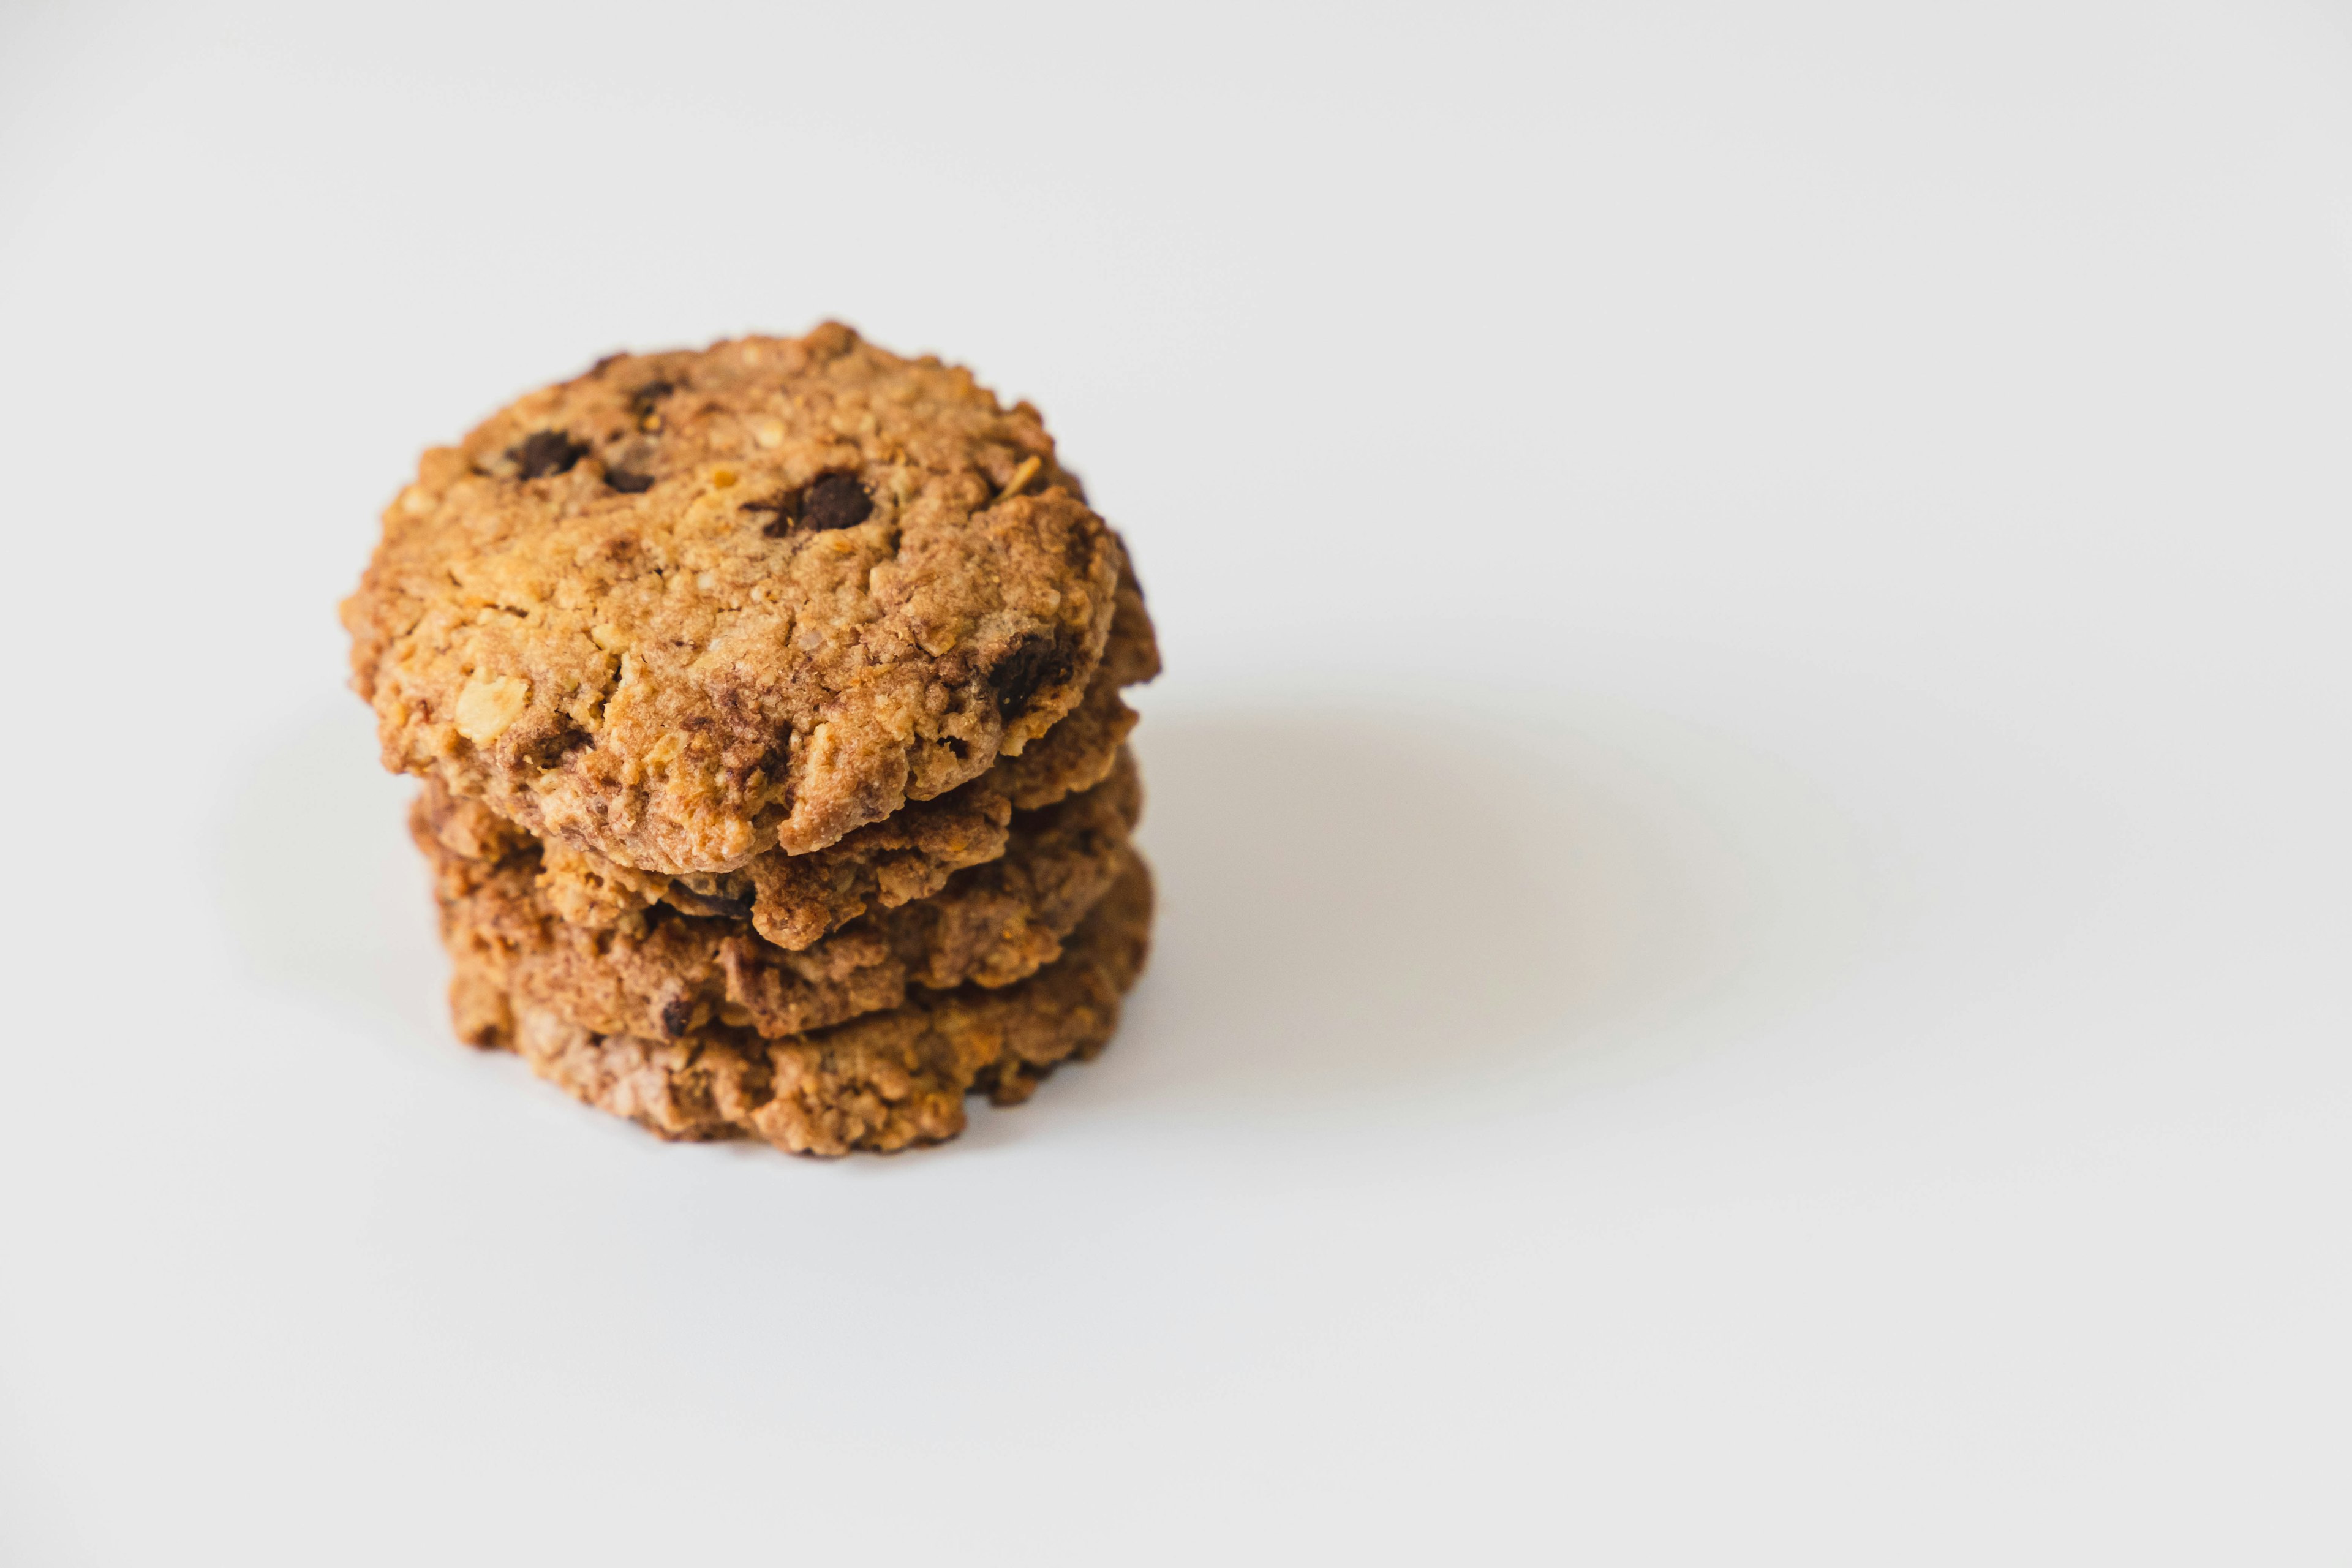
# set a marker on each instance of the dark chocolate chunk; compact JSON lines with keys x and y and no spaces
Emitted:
{"x":835,"y":500}
{"x":545,"y":452}
{"x":1028,"y":666}
{"x":676,"y":1016}
{"x":827,"y":503}
{"x":627,"y":483}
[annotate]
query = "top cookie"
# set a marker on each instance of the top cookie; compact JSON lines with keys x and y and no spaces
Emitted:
{"x":689,"y":606}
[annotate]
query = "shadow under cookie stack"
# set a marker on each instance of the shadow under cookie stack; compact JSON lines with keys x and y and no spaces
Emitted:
{"x":767,"y":699}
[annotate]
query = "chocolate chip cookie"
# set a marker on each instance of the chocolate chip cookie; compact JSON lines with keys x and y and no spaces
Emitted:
{"x":689,"y":606}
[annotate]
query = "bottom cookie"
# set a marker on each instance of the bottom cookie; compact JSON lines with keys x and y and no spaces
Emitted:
{"x":884,"y":1081}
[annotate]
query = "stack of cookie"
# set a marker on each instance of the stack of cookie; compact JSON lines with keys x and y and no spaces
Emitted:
{"x":767,"y":702}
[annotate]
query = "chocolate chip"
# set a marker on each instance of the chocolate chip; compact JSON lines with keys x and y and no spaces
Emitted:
{"x":549,"y":750}
{"x":627,"y":483}
{"x":642,"y":401}
{"x":676,"y":1016}
{"x":545,"y":452}
{"x":827,"y":503}
{"x":835,"y":500}
{"x":1027,"y":667}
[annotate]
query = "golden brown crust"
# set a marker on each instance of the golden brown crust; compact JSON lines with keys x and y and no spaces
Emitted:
{"x":882,"y":1082}
{"x":689,"y":606}
{"x":662,"y":974}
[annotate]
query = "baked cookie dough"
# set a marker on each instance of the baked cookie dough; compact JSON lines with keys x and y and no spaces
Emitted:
{"x":663,"y":974}
{"x":688,"y":606}
{"x":881,"y":1083}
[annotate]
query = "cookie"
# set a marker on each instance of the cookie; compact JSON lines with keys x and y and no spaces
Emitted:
{"x":688,"y":606}
{"x":881,"y":1083}
{"x":663,"y":974}
{"x":795,"y":899}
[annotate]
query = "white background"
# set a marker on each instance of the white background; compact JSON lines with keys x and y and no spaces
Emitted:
{"x":1751,"y":795}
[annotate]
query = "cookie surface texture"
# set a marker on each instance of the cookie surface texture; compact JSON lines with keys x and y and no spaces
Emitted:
{"x":690,"y":606}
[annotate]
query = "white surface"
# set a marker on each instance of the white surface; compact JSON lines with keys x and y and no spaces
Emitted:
{"x":1751,"y":796}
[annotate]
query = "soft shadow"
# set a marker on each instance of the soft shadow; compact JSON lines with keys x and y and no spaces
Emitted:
{"x":1417,"y":898}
